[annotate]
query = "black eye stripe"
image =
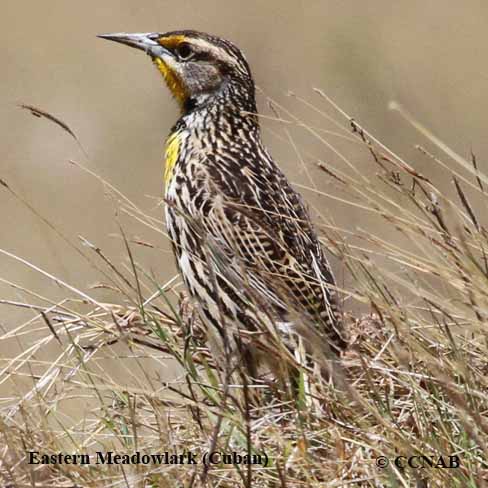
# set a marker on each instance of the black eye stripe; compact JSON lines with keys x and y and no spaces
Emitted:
{"x":204,"y":56}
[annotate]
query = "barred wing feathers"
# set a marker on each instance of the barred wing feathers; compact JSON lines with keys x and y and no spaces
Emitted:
{"x":263,"y":222}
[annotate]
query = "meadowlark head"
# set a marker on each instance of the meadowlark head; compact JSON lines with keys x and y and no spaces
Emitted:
{"x":197,"y":67}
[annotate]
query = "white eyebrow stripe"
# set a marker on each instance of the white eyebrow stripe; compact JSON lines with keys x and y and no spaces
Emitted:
{"x":217,"y":51}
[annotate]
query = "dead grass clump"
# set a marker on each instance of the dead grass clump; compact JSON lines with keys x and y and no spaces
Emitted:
{"x":412,"y":388}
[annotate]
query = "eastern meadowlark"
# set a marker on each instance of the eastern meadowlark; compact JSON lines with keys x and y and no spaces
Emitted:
{"x":242,"y":236}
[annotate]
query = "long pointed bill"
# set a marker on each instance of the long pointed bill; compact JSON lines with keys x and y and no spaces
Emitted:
{"x":144,"y":41}
{"x":163,"y":59}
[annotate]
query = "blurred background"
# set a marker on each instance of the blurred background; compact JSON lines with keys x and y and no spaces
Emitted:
{"x":428,"y":56}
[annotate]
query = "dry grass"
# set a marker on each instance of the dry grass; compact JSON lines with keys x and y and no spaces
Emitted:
{"x":413,"y":382}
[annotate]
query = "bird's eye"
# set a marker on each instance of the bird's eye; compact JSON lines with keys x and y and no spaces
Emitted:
{"x":184,"y":51}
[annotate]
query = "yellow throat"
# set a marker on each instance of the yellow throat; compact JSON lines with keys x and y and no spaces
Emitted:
{"x":172,"y":80}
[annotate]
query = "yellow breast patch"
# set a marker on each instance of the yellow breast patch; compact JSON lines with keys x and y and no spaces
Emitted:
{"x":171,"y":156}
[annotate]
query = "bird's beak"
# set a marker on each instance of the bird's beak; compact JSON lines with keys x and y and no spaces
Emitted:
{"x":147,"y":42}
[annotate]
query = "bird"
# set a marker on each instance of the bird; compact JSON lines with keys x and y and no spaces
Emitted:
{"x":242,"y":236}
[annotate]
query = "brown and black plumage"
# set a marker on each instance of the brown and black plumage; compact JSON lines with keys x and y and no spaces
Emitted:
{"x":235,"y":221}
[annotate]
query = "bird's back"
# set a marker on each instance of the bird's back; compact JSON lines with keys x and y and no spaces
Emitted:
{"x":226,"y":190}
